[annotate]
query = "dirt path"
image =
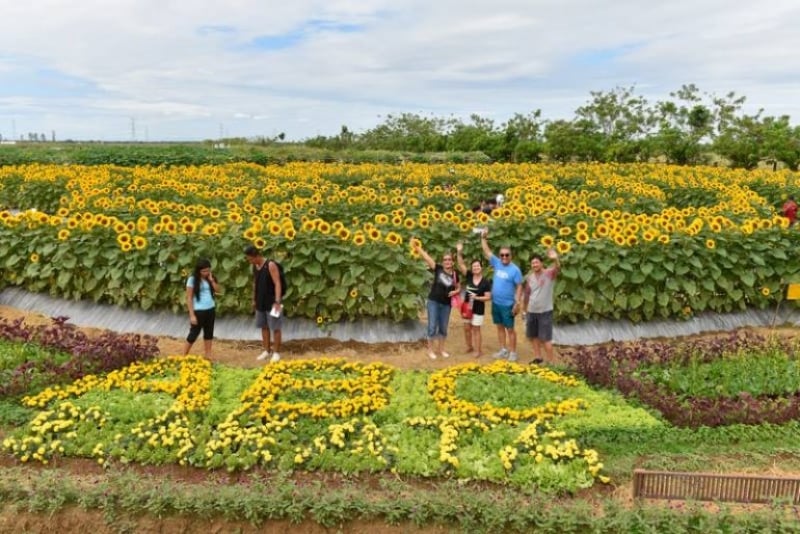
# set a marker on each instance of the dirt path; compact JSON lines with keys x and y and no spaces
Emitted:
{"x":400,"y":355}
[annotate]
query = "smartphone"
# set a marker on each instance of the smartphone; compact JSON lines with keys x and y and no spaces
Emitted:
{"x":478,"y":230}
{"x":274,"y":313}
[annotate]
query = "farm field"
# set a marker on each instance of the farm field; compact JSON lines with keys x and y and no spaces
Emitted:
{"x":117,"y":430}
{"x":641,"y":438}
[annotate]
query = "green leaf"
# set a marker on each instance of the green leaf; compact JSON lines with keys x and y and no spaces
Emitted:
{"x":617,"y":278}
{"x":313,"y":268}
{"x":385,"y":289}
{"x":747,"y":278}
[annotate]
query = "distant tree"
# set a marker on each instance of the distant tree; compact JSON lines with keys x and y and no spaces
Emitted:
{"x":577,"y":140}
{"x":750,"y":139}
{"x":407,"y":131}
{"x":622,"y":121}
{"x":683,"y":126}
{"x":523,"y":137}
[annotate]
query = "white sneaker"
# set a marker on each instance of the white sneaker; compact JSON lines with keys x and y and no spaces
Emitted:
{"x":275,"y":358}
{"x":500,"y":354}
{"x":263,"y":356}
{"x":512,"y":357}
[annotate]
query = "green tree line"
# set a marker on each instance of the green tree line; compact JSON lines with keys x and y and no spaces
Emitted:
{"x":691,"y":127}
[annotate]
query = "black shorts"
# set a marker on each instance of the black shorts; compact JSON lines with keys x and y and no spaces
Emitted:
{"x":539,"y":326}
{"x":205,"y":322}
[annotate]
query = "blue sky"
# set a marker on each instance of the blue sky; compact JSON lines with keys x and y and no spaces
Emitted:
{"x":180,"y":70}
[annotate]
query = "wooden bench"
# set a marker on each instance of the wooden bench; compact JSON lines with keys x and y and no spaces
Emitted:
{"x":714,"y":487}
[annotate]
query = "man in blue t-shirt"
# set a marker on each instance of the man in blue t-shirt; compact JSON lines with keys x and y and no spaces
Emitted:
{"x":506,"y":297}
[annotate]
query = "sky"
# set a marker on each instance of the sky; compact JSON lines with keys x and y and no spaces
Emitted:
{"x":180,"y":70}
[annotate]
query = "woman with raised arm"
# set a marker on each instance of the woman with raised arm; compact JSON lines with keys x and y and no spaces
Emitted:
{"x":445,"y":286}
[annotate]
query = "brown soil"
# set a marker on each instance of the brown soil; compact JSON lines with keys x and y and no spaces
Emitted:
{"x":400,"y":355}
{"x":243,"y":354}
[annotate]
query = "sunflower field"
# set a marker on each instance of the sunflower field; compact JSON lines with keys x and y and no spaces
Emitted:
{"x":639,"y":242}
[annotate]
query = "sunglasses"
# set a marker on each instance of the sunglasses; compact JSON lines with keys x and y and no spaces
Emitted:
{"x":505,"y":255}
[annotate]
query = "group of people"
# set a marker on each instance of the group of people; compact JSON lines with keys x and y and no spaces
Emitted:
{"x":509,"y":293}
{"x":269,"y":284}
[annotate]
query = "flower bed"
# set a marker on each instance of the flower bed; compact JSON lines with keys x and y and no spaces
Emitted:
{"x":325,"y":414}
{"x":732,"y":379}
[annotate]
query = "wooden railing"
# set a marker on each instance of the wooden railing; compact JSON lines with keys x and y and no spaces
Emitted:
{"x":714,"y":487}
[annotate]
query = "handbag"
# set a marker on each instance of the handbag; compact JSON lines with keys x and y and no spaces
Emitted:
{"x":455,"y":301}
{"x":466,"y":309}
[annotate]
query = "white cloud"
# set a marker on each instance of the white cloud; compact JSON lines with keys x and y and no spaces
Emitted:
{"x":186,"y":70}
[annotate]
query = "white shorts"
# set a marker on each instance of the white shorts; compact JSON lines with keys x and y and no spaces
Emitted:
{"x":477,"y":320}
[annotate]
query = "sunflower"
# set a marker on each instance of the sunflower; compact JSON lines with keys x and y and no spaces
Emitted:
{"x":711,"y":244}
{"x":374,"y":234}
{"x":34,"y":257}
{"x":765,"y":291}
{"x":353,"y":293}
{"x":249,"y":234}
{"x":381,"y":218}
{"x":359,"y":239}
{"x":324,"y":227}
{"x":235,"y":217}
{"x":393,"y":238}
{"x":663,"y":239}
{"x":619,"y":239}
{"x":563,"y":247}
{"x":289,"y":234}
{"x":123,"y":238}
{"x":564,"y":231}
{"x":260,"y":243}
{"x":139,"y":242}
{"x":63,"y":234}
{"x":210,"y":229}
{"x":274,"y":228}
{"x":632,"y":240}
{"x":409,"y":224}
{"x":126,"y":247}
{"x":547,"y":241}
{"x":582,"y":237}
{"x":343,"y":233}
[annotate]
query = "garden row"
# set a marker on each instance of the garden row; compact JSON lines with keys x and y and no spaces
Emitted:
{"x":639,"y":242}
{"x":528,"y":426}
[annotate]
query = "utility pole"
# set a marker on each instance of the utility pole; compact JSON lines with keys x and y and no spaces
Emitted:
{"x":133,"y":129}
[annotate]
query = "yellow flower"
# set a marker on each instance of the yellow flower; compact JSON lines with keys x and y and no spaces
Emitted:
{"x":139,"y":242}
{"x":63,"y":234}
{"x":124,"y":238}
{"x":765,"y":291}
{"x":563,"y":247}
{"x":547,"y":241}
{"x":359,"y":239}
{"x":34,"y":258}
{"x":710,"y":244}
{"x":353,"y":293}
